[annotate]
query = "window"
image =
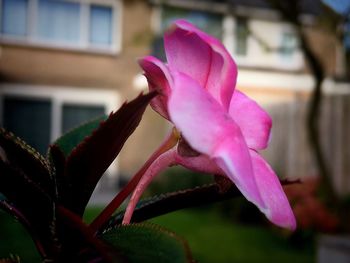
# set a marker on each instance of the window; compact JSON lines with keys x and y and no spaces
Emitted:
{"x":73,"y":114}
{"x":208,"y":22}
{"x":58,"y":21}
{"x":29,"y":119}
{"x":40,"y":114}
{"x":288,"y":45}
{"x":100,"y":24}
{"x":14,"y":17}
{"x":76,"y":24}
{"x":241,"y":36}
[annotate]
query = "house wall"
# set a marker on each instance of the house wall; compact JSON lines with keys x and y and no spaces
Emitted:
{"x":279,"y":85}
{"x":263,"y":44}
{"x":51,"y":67}
{"x":37,"y":65}
{"x":325,"y":45}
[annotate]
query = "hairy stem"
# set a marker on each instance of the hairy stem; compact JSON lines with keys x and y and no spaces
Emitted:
{"x":161,"y":163}
{"x":173,"y":201}
{"x":104,"y":216}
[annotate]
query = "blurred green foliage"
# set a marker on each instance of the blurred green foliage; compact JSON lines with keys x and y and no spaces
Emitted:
{"x":176,"y":178}
{"x":212,"y":238}
{"x":15,"y":240}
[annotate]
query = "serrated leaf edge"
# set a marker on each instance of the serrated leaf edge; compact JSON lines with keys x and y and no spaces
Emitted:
{"x":164,"y":230}
{"x":26,"y":147}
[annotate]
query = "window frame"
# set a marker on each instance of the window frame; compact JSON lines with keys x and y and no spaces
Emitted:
{"x":241,"y":36}
{"x":229,"y":23}
{"x":84,"y":44}
{"x":58,"y":96}
{"x":287,"y":49}
{"x":276,"y":61}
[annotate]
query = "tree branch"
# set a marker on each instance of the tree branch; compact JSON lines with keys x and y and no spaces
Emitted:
{"x":291,"y":12}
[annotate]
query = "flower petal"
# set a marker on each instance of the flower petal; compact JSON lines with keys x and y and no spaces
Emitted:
{"x":211,"y":131}
{"x":203,"y":58}
{"x":255,"y":123}
{"x":278,"y":209}
{"x":200,"y":163}
{"x":158,"y":78}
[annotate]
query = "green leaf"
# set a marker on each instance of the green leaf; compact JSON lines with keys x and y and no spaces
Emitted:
{"x":91,"y":158}
{"x":67,"y":142}
{"x":62,"y":148}
{"x":13,"y":211}
{"x":148,"y":243}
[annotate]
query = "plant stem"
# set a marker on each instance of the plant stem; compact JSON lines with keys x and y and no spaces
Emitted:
{"x":104,"y":216}
{"x":174,"y":201}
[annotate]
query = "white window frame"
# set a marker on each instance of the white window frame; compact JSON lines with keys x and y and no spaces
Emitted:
{"x":60,"y":95}
{"x":249,"y":60}
{"x":284,"y":58}
{"x":84,"y":45}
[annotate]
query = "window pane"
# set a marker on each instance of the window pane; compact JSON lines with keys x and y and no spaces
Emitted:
{"x":100,"y":24}
{"x":74,"y":115}
{"x":14,"y":17}
{"x":158,"y":48}
{"x":59,"y":21}
{"x":288,"y":45}
{"x":208,"y":22}
{"x":241,"y":36}
{"x":29,"y":119}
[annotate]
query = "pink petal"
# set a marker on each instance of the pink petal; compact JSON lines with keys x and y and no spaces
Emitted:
{"x":255,"y":123}
{"x":278,"y":209}
{"x":203,"y":58}
{"x":201,"y":163}
{"x":158,"y":78}
{"x":211,"y":131}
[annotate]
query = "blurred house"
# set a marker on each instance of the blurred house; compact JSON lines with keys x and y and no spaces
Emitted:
{"x":272,"y":70}
{"x":63,"y":62}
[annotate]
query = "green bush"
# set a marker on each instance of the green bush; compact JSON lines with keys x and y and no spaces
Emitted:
{"x":177,"y":178}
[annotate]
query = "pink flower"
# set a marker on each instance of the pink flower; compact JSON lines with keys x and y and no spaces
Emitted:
{"x":221,"y":128}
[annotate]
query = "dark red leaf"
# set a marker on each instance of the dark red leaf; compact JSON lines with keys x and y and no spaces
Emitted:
{"x":58,"y":163}
{"x":91,"y":158}
{"x":12,"y":210}
{"x":79,"y":242}
{"x":31,"y":201}
{"x":28,"y":160}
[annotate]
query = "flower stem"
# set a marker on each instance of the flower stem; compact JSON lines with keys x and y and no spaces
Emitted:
{"x":104,"y":216}
{"x":162,"y":162}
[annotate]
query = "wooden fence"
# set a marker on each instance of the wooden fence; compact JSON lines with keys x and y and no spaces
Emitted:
{"x":289,"y":151}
